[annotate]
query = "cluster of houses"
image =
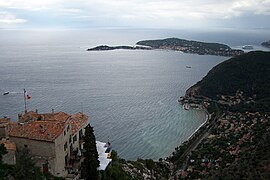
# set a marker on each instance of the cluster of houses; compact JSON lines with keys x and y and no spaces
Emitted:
{"x":236,"y":99}
{"x":54,"y":140}
{"x":228,"y":138}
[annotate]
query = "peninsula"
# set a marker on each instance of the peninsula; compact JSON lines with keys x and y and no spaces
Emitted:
{"x":194,"y":47}
{"x":175,"y":44}
{"x":107,"y":48}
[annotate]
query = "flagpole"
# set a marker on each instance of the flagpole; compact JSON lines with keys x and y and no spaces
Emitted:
{"x":24,"y":91}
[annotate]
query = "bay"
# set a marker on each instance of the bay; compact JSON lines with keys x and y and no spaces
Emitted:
{"x":129,"y":96}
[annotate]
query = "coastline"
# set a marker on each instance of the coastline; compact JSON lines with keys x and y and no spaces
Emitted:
{"x":205,"y":122}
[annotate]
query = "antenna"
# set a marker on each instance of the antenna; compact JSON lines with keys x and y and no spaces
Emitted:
{"x":25,"y":109}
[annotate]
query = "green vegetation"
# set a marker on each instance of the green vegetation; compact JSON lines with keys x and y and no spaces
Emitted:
{"x":91,"y":162}
{"x":236,"y":145}
{"x":135,"y":170}
{"x":3,"y":151}
{"x":181,"y":42}
{"x":195,"y":47}
{"x":248,"y":73}
{"x":115,"y":170}
{"x":108,"y":48}
{"x":23,"y":169}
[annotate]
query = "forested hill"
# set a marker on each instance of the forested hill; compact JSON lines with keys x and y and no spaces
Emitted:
{"x":249,"y":73}
{"x":195,"y":47}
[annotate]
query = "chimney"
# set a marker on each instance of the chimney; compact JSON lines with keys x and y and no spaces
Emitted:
{"x":42,"y":128}
{"x":19,"y":117}
{"x":36,"y":111}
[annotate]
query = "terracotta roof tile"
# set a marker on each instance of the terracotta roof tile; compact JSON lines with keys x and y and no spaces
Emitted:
{"x":4,"y":122}
{"x":38,"y":130}
{"x":77,"y":121}
{"x":47,"y":126}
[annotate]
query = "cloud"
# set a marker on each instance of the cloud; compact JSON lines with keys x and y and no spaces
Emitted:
{"x":142,"y":13}
{"x":8,"y":18}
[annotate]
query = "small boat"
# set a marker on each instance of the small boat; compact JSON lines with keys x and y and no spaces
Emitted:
{"x":188,"y":66}
{"x":6,"y":93}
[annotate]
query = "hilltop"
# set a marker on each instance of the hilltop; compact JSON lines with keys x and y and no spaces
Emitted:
{"x":248,"y":73}
{"x":195,"y":47}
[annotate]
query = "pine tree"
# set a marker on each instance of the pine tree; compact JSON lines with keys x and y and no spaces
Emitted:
{"x":91,"y":162}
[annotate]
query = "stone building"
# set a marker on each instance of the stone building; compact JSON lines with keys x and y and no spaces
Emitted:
{"x":4,"y":127}
{"x":10,"y":157}
{"x":53,"y":139}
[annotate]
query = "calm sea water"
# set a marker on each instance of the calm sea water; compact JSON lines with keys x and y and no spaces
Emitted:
{"x":129,"y":96}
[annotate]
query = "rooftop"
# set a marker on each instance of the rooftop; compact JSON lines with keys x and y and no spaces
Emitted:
{"x":4,"y":121}
{"x":38,"y":130}
{"x":46,"y":127}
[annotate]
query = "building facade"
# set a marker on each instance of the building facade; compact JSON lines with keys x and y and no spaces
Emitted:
{"x":54,"y":139}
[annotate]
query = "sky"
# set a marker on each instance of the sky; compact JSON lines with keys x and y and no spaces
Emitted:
{"x":134,"y":14}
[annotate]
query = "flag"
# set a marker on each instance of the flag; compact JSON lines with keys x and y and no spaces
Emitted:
{"x":27,"y":96}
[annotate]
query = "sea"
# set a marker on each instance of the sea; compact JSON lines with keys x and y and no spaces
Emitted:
{"x":130,"y":96}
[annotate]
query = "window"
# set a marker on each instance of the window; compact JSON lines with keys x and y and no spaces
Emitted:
{"x":75,"y":138}
{"x":69,"y":139}
{"x":64,"y":132}
{"x":80,"y":133}
{"x":65,"y":146}
{"x":67,"y":128}
{"x":25,"y":146}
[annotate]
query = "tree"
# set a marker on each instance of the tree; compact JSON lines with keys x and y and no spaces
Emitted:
{"x":3,"y":151}
{"x":5,"y":169}
{"x":25,"y":167}
{"x":91,"y":162}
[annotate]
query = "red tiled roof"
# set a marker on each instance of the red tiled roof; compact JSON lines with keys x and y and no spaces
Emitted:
{"x":47,"y":126}
{"x":77,"y":121}
{"x":4,"y":122}
{"x":38,"y":130}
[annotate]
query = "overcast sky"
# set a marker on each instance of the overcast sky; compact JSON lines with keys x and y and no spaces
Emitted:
{"x":134,"y":13}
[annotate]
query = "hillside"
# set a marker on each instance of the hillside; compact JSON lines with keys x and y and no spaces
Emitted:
{"x":248,"y":73}
{"x":188,"y":46}
{"x":234,"y":143}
